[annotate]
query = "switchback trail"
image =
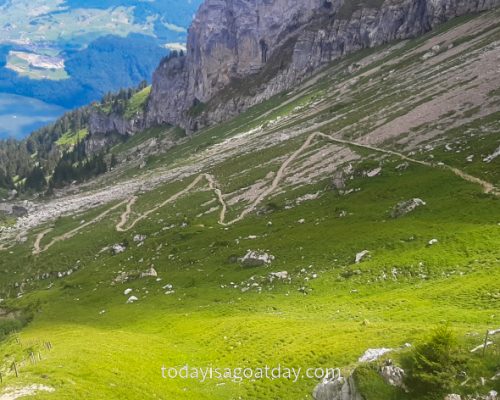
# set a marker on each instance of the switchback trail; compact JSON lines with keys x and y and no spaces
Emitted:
{"x":122,"y":226}
{"x":37,"y":249}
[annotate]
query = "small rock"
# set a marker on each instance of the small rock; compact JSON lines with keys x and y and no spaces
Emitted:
{"x":405,"y":207}
{"x":433,"y":241}
{"x":150,"y":273}
{"x":361,"y":255}
{"x":403,"y":166}
{"x":374,"y":172}
{"x":492,"y":395}
{"x":139,"y":238}
{"x":283,"y":275}
{"x":127,"y":292}
{"x":132,"y":299}
{"x":118,"y":248}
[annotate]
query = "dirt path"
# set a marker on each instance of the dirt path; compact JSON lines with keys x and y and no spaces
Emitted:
{"x":124,"y":217}
{"x":487,"y":186}
{"x":74,"y":231}
{"x":220,"y":197}
{"x":120,"y":227}
{"x":276,"y":181}
{"x":39,"y":237}
{"x":280,"y":174}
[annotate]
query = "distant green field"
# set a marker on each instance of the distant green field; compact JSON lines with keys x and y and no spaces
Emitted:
{"x":25,"y":68}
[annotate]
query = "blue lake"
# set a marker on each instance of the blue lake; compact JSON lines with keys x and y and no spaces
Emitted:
{"x":19,"y":115}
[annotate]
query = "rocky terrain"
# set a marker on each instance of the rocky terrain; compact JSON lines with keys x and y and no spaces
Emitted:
{"x":276,"y":44}
{"x":349,"y":222}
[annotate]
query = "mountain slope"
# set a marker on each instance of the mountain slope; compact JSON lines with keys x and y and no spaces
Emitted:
{"x":268,"y":47}
{"x":313,"y":177}
{"x":46,"y":54}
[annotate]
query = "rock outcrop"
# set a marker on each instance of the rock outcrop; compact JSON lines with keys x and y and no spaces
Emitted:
{"x":392,"y":374}
{"x":105,"y":129}
{"x":406,"y":207}
{"x":337,"y":388}
{"x":241,"y":52}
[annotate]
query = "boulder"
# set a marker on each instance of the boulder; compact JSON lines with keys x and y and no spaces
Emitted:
{"x":132,"y":299}
{"x":492,"y":395}
{"x":18,"y":211}
{"x":283,"y":275}
{"x":336,"y":388}
{"x":361,"y":255}
{"x":405,"y":207}
{"x":118,"y":248}
{"x":374,"y":172}
{"x":392,"y":374}
{"x":150,"y":273}
{"x":492,"y":156}
{"x":12,"y":194}
{"x":256,"y":258}
{"x":139,"y":238}
{"x":373,"y":354}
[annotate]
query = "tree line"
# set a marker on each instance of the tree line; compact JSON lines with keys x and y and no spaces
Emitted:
{"x":26,"y":164}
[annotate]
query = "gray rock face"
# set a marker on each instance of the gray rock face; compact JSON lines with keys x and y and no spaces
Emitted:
{"x":102,"y":127}
{"x":243,"y":52}
{"x":337,"y":388}
{"x":393,"y":374}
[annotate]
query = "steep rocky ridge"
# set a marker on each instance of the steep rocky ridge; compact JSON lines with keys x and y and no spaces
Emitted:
{"x":243,"y":52}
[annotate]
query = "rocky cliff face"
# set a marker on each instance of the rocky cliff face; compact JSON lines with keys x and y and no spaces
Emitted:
{"x":103,"y":129}
{"x":263,"y":47}
{"x":241,"y":52}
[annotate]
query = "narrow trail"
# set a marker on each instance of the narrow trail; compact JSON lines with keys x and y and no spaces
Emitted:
{"x":220,"y":197}
{"x":276,"y":181}
{"x":487,"y":186}
{"x":124,"y":217}
{"x":122,"y":226}
{"x":73,"y":232}
{"x":39,"y":237}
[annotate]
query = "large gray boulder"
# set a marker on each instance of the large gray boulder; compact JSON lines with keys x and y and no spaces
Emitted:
{"x":337,"y":388}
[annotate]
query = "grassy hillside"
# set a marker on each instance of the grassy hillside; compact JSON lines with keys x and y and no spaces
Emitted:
{"x":267,"y":181}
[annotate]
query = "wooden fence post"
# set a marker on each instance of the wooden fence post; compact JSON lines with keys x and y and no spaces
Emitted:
{"x":485,"y":342}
